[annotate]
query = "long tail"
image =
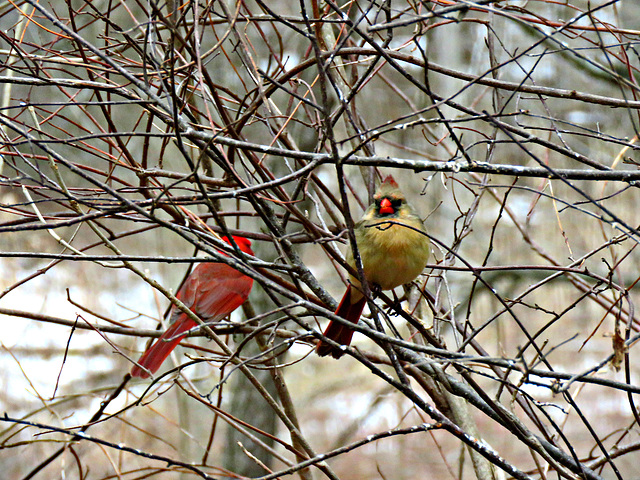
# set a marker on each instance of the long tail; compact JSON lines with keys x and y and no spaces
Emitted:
{"x":338,"y":332}
{"x":160,"y":350}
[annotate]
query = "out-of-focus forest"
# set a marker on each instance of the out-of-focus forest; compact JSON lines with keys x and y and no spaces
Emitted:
{"x":135,"y":134}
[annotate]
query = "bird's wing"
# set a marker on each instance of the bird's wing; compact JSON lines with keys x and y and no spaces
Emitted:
{"x":214,"y":290}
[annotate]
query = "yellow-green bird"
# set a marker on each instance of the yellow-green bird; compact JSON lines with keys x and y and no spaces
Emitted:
{"x":394,"y":251}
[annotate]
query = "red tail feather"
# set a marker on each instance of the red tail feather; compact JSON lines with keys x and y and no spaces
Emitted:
{"x":160,"y":350}
{"x":338,"y":332}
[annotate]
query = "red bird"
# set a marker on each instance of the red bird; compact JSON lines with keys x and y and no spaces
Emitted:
{"x":394,"y":250}
{"x":212,"y":291}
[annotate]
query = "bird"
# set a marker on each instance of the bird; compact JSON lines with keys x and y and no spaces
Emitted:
{"x":212,"y":291}
{"x":394,"y":250}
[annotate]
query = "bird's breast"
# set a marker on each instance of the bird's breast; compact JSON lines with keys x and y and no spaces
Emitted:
{"x":392,"y":254}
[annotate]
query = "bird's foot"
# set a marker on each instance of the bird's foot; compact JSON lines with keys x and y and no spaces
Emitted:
{"x":395,"y":305}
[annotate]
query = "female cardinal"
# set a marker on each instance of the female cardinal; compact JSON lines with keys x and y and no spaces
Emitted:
{"x":394,"y":251}
{"x":212,"y":291}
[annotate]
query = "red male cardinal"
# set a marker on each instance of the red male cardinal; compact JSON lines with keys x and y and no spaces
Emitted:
{"x":212,"y":291}
{"x":392,"y":254}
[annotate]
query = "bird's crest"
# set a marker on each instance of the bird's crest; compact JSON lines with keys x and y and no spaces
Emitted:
{"x":390,"y":181}
{"x":244,"y":244}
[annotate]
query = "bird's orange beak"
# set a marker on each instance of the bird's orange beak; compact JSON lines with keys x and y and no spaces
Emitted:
{"x":385,"y":206}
